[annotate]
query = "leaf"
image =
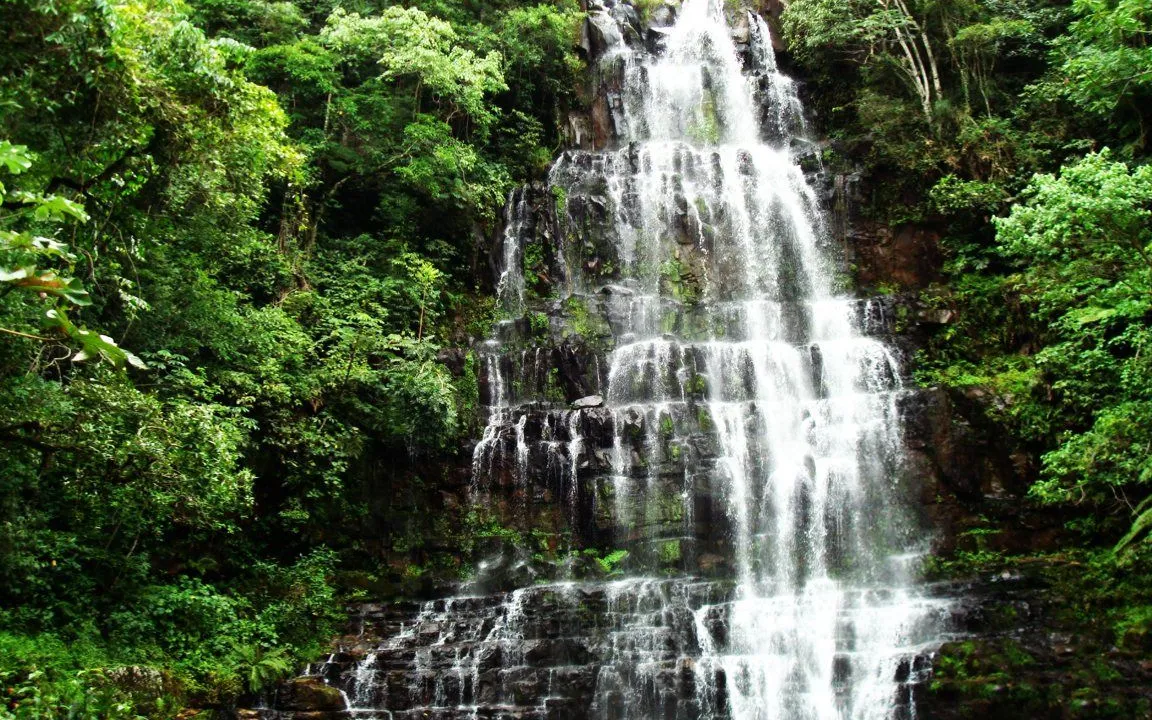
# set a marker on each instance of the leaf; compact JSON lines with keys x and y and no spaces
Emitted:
{"x":49,"y":283}
{"x":7,"y":275}
{"x":92,"y":345}
{"x":48,"y":246}
{"x":1140,"y":526}
{"x":1088,"y":315}
{"x":15,"y":158}
{"x":55,"y":207}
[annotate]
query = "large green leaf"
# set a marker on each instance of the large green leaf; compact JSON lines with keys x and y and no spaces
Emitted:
{"x":15,"y":158}
{"x":55,"y":207}
{"x":48,"y":283}
{"x":1139,"y":529}
{"x":93,"y":345}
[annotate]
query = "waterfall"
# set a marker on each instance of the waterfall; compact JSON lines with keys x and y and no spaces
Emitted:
{"x":751,"y":453}
{"x":510,"y":285}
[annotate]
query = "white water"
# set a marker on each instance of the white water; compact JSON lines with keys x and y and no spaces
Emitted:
{"x":802,"y":405}
{"x":740,"y":375}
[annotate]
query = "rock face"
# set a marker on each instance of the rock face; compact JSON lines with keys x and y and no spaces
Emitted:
{"x":309,"y":695}
{"x":552,"y":652}
{"x":615,"y":397}
{"x":1029,"y":647}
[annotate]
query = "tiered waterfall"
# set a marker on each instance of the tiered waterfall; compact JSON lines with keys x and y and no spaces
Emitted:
{"x":742,"y":439}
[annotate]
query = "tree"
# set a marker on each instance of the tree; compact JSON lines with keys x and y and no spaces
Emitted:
{"x":1104,"y":62}
{"x":889,"y":32}
{"x":1083,"y":239}
{"x":32,"y":264}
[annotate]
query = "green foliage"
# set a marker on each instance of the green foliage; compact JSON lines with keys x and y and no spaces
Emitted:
{"x":45,"y":677}
{"x":610,"y":563}
{"x":953,"y":195}
{"x":669,"y":552}
{"x":275,"y":206}
{"x":43,"y":267}
{"x":1083,"y":240}
{"x":538,"y":322}
{"x":1105,"y":63}
{"x":260,"y":667}
{"x":421,"y":52}
{"x":1044,"y":311}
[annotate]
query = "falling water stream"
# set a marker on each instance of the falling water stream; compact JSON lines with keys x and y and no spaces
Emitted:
{"x":755,"y":455}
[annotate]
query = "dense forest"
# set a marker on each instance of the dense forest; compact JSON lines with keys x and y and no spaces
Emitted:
{"x":244,"y":254}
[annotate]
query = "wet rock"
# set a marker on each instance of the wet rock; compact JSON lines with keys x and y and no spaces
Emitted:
{"x":591,"y":401}
{"x":309,"y":694}
{"x":709,"y":563}
{"x":662,"y":16}
{"x":741,"y":30}
{"x":907,"y":256}
{"x":629,"y":21}
{"x":601,"y":34}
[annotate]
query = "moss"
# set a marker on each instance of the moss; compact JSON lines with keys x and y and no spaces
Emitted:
{"x":669,"y":552}
{"x":467,"y":386}
{"x":669,"y":506}
{"x":697,"y":385}
{"x":476,"y":315}
{"x":560,"y":195}
{"x":610,"y":563}
{"x":585,"y":323}
{"x":705,"y":127}
{"x":554,"y":390}
{"x":1084,"y":596}
{"x":680,"y":282}
{"x":644,"y":8}
{"x":539,"y":324}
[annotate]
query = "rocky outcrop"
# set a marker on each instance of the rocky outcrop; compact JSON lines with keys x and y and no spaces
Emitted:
{"x":309,"y":694}
{"x":545,"y":652}
{"x":972,"y":482}
{"x":1037,"y":640}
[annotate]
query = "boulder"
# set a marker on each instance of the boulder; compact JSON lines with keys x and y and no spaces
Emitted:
{"x":309,"y":694}
{"x":662,"y":16}
{"x":591,"y":401}
{"x":601,"y":33}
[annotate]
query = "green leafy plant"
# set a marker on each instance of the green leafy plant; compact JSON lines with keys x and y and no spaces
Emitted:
{"x":42,"y":267}
{"x":611,"y":562}
{"x":259,"y":666}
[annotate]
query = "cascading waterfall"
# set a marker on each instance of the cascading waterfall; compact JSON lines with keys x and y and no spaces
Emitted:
{"x":753,"y":453}
{"x":801,"y":404}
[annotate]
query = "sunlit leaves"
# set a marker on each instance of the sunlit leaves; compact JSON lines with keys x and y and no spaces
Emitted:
{"x":46,"y":283}
{"x":59,"y":209}
{"x":15,"y":158}
{"x":448,"y":169}
{"x":1089,"y":224}
{"x":1083,"y":241}
{"x":24,"y":255}
{"x":1106,"y":59}
{"x":92,"y":345}
{"x":423,"y":51}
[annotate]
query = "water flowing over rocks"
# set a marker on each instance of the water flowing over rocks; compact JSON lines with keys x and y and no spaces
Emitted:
{"x":683,"y":378}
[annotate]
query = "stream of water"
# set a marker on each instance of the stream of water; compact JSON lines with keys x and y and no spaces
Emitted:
{"x":755,"y":455}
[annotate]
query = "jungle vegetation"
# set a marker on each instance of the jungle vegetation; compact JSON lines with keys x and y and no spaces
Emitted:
{"x":237,"y":238}
{"x":1029,"y":124}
